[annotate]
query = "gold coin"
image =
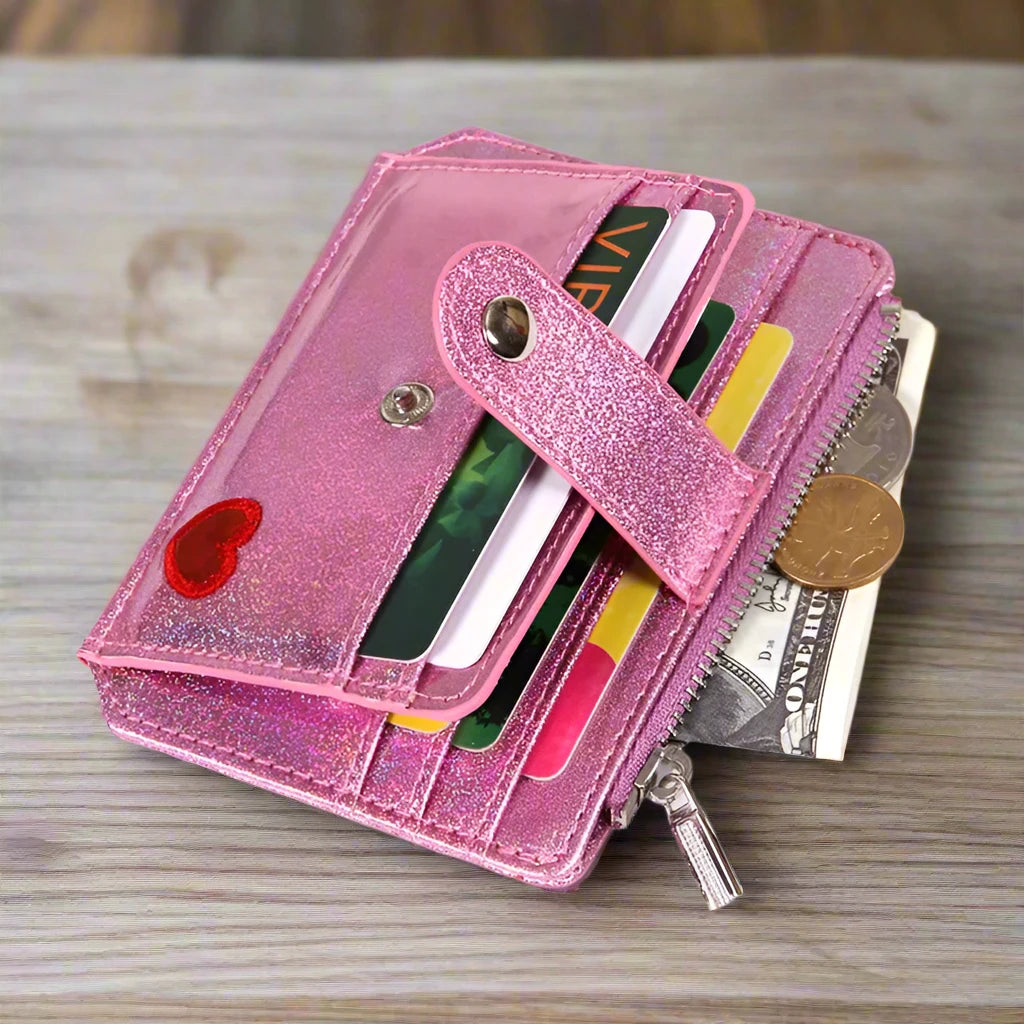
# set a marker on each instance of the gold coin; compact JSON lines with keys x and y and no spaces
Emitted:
{"x":846,"y":533}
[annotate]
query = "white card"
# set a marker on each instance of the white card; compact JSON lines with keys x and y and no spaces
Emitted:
{"x":531,"y":514}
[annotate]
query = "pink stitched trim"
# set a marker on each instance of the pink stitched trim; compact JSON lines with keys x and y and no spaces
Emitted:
{"x":475,"y":165}
{"x":429,"y":773}
{"x":221,"y":748}
{"x":777,"y":440}
{"x":495,"y":138}
{"x":470,"y":165}
{"x":129,"y":649}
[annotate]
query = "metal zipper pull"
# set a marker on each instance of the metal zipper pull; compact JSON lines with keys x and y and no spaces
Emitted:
{"x":665,"y":780}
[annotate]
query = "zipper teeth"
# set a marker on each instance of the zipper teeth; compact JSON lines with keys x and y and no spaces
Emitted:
{"x":843,"y":421}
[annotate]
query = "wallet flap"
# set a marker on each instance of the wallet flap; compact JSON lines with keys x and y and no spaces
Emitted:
{"x":593,"y":409}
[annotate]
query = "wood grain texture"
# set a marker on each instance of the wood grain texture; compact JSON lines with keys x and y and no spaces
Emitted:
{"x":155,"y":218}
{"x":991,"y":29}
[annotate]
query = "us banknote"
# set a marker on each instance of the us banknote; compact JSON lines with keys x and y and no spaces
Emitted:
{"x":787,"y":682}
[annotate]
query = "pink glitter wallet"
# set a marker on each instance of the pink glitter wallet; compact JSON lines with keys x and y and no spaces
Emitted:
{"x":238,"y":638}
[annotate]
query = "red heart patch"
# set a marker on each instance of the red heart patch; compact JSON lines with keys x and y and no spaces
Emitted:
{"x":203,"y":554}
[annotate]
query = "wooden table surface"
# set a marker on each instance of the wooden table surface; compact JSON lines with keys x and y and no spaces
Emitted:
{"x":156,"y":218}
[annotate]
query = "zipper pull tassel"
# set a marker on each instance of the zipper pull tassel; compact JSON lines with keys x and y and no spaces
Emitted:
{"x":665,"y":780}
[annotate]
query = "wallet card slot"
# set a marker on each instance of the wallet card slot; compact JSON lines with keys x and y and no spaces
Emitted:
{"x":401,"y":769}
{"x":453,"y":692}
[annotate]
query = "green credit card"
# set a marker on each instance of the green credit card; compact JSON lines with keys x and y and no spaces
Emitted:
{"x":479,"y":729}
{"x":489,"y":473}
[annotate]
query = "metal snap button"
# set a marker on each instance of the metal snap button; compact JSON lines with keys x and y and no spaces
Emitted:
{"x":407,"y":404}
{"x":508,"y":328}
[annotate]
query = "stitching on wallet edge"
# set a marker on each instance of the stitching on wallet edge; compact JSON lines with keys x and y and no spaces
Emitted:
{"x":483,"y":135}
{"x":476,"y":136}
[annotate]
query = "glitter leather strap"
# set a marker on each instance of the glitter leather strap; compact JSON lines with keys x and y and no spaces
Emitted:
{"x":598,"y":414}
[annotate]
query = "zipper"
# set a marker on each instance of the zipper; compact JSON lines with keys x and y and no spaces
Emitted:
{"x":666,"y":777}
{"x":665,"y":780}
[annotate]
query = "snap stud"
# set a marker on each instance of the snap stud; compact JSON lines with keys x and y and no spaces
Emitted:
{"x":509,"y":328}
{"x":406,"y":404}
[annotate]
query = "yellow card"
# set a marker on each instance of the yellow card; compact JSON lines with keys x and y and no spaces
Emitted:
{"x":745,"y":389}
{"x":416,"y":723}
{"x":625,"y":610}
